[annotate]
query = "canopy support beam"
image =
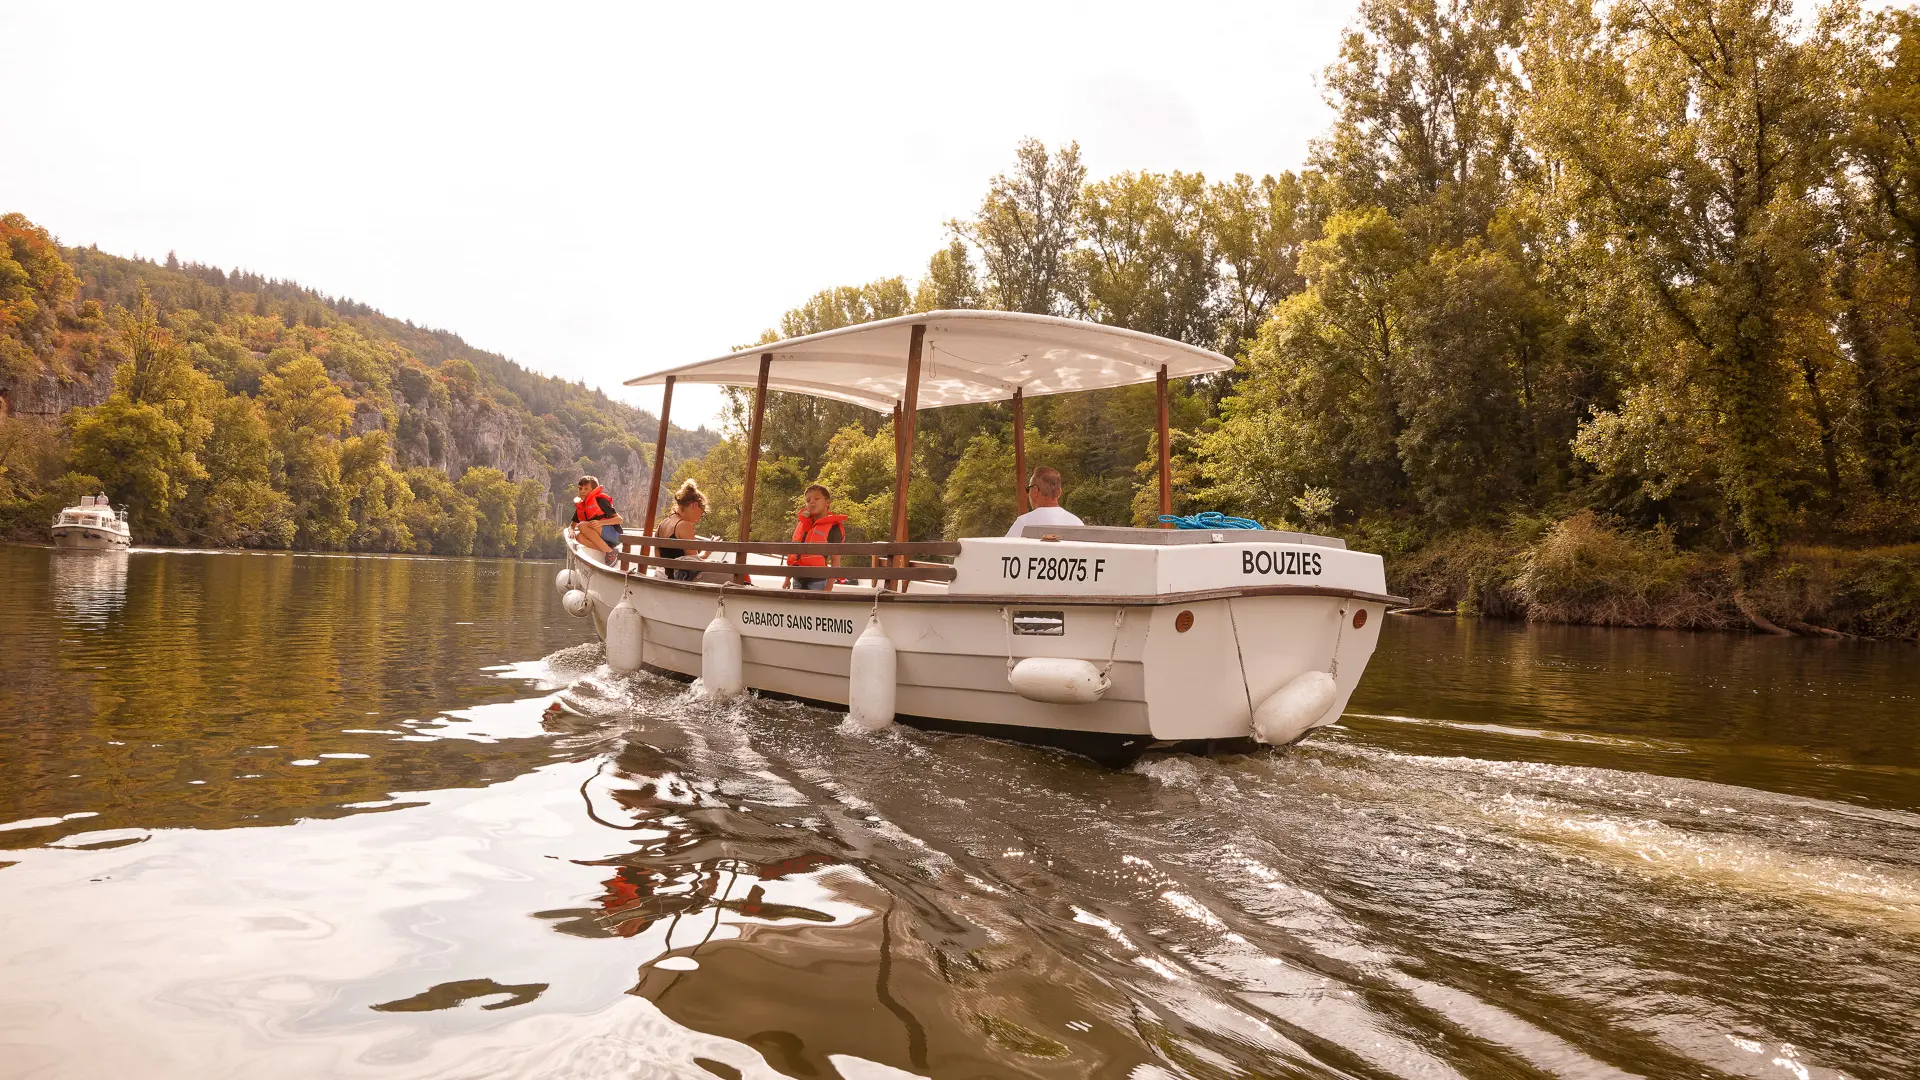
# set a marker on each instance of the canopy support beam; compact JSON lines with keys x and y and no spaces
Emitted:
{"x":899,"y":429}
{"x":753,"y":460}
{"x":896,"y":450}
{"x":903,"y":434}
{"x":659,"y":457}
{"x":1166,"y":448}
{"x":1020,"y":452}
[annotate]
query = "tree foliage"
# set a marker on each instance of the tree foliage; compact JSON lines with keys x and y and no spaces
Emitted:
{"x":1657,"y":262}
{"x":249,"y":412}
{"x":36,"y":287}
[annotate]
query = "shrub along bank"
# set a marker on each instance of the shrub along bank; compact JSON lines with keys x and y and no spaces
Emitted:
{"x":1588,"y":569}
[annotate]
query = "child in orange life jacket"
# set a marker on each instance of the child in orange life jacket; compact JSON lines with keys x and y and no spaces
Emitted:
{"x":595,"y":522}
{"x":817,"y":524}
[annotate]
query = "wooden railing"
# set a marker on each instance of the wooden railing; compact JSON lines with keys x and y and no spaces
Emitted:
{"x":739,"y":569}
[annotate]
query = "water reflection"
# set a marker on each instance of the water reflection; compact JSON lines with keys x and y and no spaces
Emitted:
{"x":1826,"y":719}
{"x":214,"y":690}
{"x":88,"y":586}
{"x":768,"y":915}
{"x":1531,"y":852}
{"x":695,"y":855}
{"x":449,"y":995}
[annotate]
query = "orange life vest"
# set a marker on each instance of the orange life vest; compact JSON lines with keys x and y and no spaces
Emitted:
{"x":580,"y":506}
{"x":813,"y":531}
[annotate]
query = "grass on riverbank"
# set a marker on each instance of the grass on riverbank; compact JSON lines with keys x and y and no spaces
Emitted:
{"x":1586,"y":569}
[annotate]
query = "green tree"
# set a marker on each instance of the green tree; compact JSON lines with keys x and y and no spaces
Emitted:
{"x":539,"y":535}
{"x":1258,"y":229}
{"x":980,"y":492}
{"x":1876,"y":272}
{"x":246,"y":513}
{"x":140,"y":456}
{"x":494,"y":500}
{"x":240,"y":506}
{"x":1695,"y":138}
{"x":1480,"y":348}
{"x":358,"y":361}
{"x":308,"y":414}
{"x":441,"y":520}
{"x":1320,"y":406}
{"x":1025,"y":229}
{"x":377,"y":494}
{"x":144,"y":441}
{"x":1147,"y":260}
{"x":1425,"y":103}
{"x":951,"y":283}
{"x":31,"y":457}
{"x":846,"y":305}
{"x":859,"y":470}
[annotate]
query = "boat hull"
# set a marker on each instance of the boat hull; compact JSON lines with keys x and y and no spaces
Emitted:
{"x":88,"y":538}
{"x":1184,"y":668}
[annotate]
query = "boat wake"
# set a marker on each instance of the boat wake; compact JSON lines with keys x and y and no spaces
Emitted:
{"x":1347,"y":906}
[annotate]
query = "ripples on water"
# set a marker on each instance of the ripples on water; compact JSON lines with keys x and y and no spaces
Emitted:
{"x":285,"y":816}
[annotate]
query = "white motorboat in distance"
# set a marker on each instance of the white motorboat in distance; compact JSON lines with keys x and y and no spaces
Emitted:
{"x":1108,"y":641}
{"x":92,"y":525}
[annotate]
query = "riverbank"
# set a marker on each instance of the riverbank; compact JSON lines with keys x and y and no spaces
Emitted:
{"x":1586,"y":570}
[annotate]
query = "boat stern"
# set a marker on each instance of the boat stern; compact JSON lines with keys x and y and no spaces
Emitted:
{"x":1231,"y":618}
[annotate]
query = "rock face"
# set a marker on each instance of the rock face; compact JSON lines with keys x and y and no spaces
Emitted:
{"x":45,"y":396}
{"x":454,"y":436}
{"x":458,"y":436}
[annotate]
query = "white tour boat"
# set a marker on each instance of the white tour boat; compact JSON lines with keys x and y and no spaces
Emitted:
{"x":1104,"y":640}
{"x":93,"y":525}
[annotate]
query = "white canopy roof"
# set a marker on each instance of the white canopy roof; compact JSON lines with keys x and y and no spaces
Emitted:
{"x":967,"y":356}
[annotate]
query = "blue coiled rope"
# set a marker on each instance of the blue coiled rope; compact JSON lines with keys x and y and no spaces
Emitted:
{"x":1209,"y":519}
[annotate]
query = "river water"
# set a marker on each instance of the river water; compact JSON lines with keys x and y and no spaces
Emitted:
{"x":272,"y":815}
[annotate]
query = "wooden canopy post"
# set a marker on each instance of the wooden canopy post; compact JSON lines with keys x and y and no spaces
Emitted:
{"x":659,"y":457}
{"x":1166,"y":448}
{"x":1020,"y":451}
{"x":753,"y":461}
{"x":898,"y":430}
{"x":896,"y":471}
{"x":903,"y":434}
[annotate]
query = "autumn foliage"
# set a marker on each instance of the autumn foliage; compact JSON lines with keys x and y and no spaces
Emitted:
{"x":250,"y":412}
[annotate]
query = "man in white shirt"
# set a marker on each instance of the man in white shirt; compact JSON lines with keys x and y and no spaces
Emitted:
{"x":1043,"y":494}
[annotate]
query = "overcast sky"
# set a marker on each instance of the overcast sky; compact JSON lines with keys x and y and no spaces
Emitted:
{"x":599,"y":192}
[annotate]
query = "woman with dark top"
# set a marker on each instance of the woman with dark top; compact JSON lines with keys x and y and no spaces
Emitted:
{"x":689,"y":506}
{"x":595,"y":522}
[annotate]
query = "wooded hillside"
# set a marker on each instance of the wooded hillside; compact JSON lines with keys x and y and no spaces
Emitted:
{"x":226,"y":409}
{"x":1569,"y":292}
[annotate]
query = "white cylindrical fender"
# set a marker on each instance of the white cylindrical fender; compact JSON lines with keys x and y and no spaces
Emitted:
{"x":576,"y":602}
{"x":1060,"y":682}
{"x":873,"y":678}
{"x":566,"y":581}
{"x":1294,"y":709}
{"x":626,"y":637}
{"x":721,"y":674}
